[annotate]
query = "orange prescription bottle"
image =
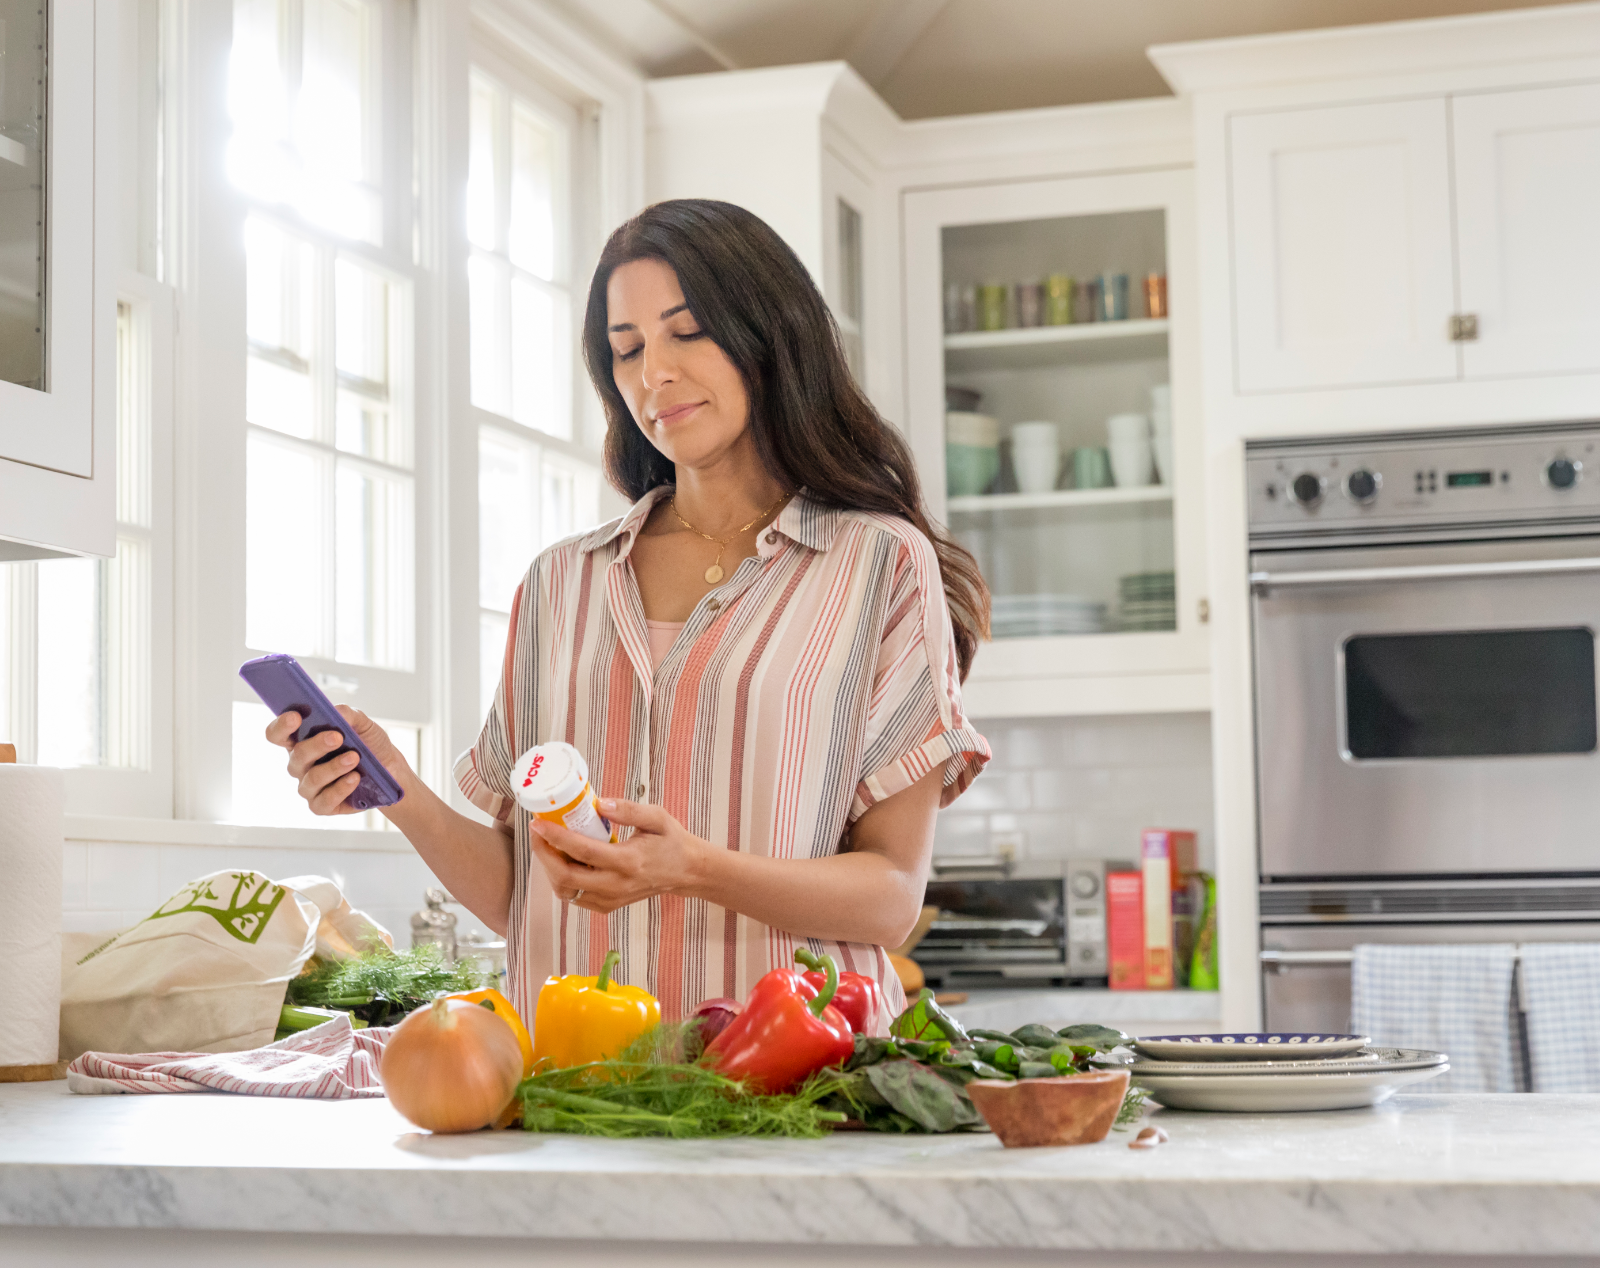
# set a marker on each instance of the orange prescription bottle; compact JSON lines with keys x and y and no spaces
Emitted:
{"x":551,"y":781}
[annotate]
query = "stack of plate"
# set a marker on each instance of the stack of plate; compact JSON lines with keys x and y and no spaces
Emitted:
{"x":1147,"y":601}
{"x":1274,"y":1072}
{"x":1043,"y":615}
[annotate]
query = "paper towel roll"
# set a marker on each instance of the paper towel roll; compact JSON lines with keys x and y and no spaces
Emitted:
{"x":30,"y":914}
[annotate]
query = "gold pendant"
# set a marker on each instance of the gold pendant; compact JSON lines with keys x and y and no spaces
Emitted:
{"x":713,"y":574}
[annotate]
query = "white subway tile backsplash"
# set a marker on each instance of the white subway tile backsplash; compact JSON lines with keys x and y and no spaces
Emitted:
{"x":74,"y":876}
{"x":123,"y":877}
{"x":1086,"y":787}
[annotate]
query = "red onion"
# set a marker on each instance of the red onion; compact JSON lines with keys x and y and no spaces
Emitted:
{"x":714,"y":1016}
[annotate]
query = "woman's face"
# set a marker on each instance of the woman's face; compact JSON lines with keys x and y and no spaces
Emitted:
{"x":681,"y":388}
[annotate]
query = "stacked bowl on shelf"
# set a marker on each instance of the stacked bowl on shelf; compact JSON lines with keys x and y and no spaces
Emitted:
{"x":1263,"y":1073}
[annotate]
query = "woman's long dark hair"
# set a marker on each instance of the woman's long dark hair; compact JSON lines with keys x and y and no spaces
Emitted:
{"x":813,"y":426}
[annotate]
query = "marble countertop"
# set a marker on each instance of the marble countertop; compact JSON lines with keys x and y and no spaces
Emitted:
{"x":1421,"y":1174}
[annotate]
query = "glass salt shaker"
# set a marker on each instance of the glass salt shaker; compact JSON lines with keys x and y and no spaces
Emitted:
{"x":433,"y":924}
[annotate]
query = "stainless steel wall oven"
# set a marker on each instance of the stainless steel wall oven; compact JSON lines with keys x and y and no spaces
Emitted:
{"x":1424,"y":614}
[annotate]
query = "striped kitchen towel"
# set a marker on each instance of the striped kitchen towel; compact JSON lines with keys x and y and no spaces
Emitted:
{"x":330,"y":1062}
{"x":1452,"y":999}
{"x":1561,"y":994}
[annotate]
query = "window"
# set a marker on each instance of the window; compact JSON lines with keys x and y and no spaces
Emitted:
{"x":519,"y":271}
{"x":536,"y":482}
{"x":331,"y":484}
{"x":75,"y":634}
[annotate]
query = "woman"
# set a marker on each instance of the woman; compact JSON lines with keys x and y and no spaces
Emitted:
{"x":760,"y":661}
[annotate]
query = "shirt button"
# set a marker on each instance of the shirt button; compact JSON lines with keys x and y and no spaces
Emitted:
{"x":715,"y":605}
{"x":772,"y":537}
{"x":641,"y":790}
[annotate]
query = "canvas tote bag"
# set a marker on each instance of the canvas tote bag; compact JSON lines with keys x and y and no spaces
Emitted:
{"x":205,"y":972}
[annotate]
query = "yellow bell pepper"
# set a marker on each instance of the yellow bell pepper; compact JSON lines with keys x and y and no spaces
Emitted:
{"x":500,"y":1006}
{"x":582,"y":1019}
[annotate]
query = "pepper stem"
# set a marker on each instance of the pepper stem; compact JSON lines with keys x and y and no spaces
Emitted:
{"x":808,"y":957}
{"x":603,"y":982}
{"x":825,"y":964}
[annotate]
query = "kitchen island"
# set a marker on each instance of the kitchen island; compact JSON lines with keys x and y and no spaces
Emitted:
{"x":214,"y":1178}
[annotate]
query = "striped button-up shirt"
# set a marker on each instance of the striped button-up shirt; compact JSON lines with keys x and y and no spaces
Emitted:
{"x":817,"y":680}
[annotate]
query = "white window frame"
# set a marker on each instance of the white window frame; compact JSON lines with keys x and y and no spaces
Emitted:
{"x":206,"y":217}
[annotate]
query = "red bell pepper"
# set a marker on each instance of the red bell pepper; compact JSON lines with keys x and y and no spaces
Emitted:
{"x":858,"y":998}
{"x":787,"y":1031}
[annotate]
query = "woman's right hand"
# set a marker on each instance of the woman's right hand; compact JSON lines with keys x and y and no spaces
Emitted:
{"x":326,"y":785}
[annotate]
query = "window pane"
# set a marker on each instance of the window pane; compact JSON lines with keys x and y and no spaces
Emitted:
{"x":482,"y":204}
{"x":532,"y":231}
{"x":126,"y":664}
{"x":538,"y":351}
{"x":369,"y":428}
{"x":489,"y":303}
{"x":331,"y":117}
{"x":361,"y":307}
{"x":493,"y":629}
{"x":569,"y":499}
{"x":263,"y":792}
{"x":134,"y":492}
{"x":259,"y":160}
{"x":373,"y":589}
{"x":285,"y":570}
{"x":508,"y":524}
{"x":69,"y":675}
{"x":278,"y":397}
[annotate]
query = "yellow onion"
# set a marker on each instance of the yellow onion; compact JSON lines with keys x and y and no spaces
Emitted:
{"x":451,"y":1067}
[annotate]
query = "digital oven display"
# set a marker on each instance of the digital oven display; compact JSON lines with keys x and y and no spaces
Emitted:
{"x":1468,"y":479}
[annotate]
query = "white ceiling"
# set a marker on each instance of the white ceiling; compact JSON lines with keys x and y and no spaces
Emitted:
{"x":941,"y":57}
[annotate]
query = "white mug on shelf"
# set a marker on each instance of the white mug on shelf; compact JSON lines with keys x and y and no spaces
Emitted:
{"x":1161,"y":429}
{"x":1131,"y":453}
{"x":1035,"y":456}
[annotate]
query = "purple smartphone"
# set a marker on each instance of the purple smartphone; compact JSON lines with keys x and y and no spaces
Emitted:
{"x":283,"y":684}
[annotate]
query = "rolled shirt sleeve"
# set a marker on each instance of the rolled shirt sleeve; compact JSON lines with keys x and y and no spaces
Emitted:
{"x":914,"y":719}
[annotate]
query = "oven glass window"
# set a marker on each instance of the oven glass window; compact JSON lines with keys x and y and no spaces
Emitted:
{"x":1488,"y":693}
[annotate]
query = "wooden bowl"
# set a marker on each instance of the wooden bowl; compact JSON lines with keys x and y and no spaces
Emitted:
{"x":1074,"y":1110}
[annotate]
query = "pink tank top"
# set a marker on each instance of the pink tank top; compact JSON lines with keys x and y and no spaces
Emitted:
{"x":662,"y":636}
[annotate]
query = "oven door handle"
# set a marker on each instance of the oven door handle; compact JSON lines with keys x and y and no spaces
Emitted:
{"x":1275,"y":956}
{"x":1263,"y":583}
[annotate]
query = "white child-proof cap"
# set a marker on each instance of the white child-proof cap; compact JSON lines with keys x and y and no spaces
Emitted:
{"x":549,"y":776}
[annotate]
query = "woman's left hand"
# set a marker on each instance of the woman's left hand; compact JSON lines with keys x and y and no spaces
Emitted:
{"x":661,"y":857}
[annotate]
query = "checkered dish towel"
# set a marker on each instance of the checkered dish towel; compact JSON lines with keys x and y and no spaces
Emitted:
{"x":330,"y":1062}
{"x":1452,"y":999}
{"x":1561,"y":992}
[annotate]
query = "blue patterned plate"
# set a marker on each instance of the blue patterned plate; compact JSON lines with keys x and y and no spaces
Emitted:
{"x":1261,"y":1047}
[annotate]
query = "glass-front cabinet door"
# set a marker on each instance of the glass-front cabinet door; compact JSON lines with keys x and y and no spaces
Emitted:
{"x":47,"y":250}
{"x":1050,"y":391}
{"x":22,"y":185}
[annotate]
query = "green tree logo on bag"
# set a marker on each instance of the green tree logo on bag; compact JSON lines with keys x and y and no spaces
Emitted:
{"x":244,"y":913}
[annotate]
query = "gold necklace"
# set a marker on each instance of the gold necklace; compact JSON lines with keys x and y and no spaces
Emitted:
{"x":714,"y":573}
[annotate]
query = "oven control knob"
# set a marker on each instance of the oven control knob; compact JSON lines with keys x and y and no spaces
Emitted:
{"x":1562,"y":473}
{"x":1085,"y":884}
{"x":1307,"y":489}
{"x":1361,"y":485}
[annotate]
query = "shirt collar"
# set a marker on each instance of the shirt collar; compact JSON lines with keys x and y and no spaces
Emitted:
{"x":803,"y":521}
{"x":628,"y":526}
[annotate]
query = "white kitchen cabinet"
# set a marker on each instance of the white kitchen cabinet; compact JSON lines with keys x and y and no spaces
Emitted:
{"x":1098,"y":587}
{"x":1527,"y":176}
{"x":803,"y":147}
{"x":1342,"y":253}
{"x":1427,"y":240}
{"x":57,"y":281}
